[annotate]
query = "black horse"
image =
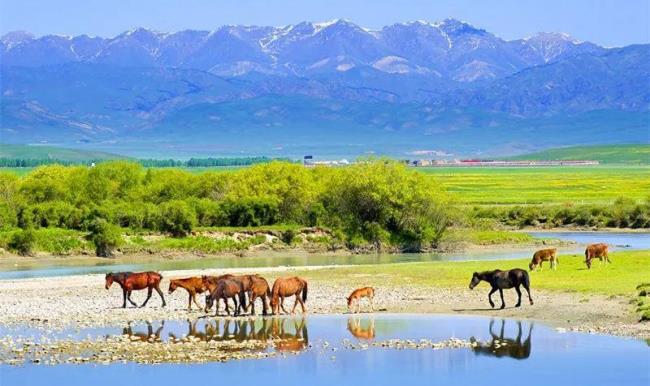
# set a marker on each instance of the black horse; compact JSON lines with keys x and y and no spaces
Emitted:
{"x":500,"y":280}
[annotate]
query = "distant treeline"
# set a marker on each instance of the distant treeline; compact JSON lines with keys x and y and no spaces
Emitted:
{"x":158,"y":163}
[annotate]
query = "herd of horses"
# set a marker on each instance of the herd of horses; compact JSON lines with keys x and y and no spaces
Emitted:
{"x":244,"y":290}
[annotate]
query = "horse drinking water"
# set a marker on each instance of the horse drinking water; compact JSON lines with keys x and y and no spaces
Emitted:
{"x":500,"y":280}
{"x":130,"y":281}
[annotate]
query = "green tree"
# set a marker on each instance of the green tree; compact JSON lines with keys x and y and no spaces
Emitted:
{"x":23,"y":242}
{"x":177,"y":218}
{"x":105,"y":236}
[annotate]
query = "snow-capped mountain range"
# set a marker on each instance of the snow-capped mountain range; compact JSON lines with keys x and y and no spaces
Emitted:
{"x":450,"y":49}
{"x":447,"y":85}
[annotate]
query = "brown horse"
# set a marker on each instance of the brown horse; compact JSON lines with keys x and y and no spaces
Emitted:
{"x":130,"y":281}
{"x":543,"y":255}
{"x":226,"y":289}
{"x":598,"y":251}
{"x":357,"y":294}
{"x":286,"y":287}
{"x":256,"y":287}
{"x":193,"y":286}
{"x":500,"y":280}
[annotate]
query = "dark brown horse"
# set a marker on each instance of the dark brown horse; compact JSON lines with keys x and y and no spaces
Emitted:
{"x":226,"y":289}
{"x":193,"y":286}
{"x":286,"y":287}
{"x":130,"y":281}
{"x":500,"y":280}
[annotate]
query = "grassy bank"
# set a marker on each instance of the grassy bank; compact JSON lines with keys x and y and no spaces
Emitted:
{"x":543,"y":185}
{"x":627,"y":270}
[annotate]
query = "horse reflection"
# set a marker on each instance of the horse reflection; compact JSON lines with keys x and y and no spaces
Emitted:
{"x":500,"y":346}
{"x":286,"y":341}
{"x":150,"y":336}
{"x":268,"y":330}
{"x":359,"y":331}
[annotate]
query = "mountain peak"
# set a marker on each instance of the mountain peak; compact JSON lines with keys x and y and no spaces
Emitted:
{"x":13,"y":38}
{"x":553,"y":36}
{"x":456,"y":27}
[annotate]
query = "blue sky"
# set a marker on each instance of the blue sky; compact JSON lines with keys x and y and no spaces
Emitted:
{"x":606,"y":22}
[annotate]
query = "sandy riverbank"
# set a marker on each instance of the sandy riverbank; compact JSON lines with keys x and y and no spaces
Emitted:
{"x":82,"y":301}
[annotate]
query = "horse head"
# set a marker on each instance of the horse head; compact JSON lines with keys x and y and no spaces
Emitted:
{"x":172,"y":286}
{"x":209,"y":302}
{"x":475,"y":280}
{"x":109,"y":280}
{"x":531,"y":266}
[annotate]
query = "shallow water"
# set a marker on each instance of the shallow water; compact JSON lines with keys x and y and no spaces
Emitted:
{"x":534,"y":354}
{"x":617,"y":241}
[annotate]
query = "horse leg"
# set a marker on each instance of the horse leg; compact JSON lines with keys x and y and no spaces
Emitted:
{"x":518,"y":296}
{"x":503,"y":302}
{"x":372,"y":304}
{"x":128,"y":297}
{"x":264,"y":309}
{"x":293,"y":310}
{"x":490,"y":296}
{"x":302,"y":304}
{"x":149,"y":292}
{"x":124,"y":298}
{"x":282,"y":305}
{"x":157,"y":288}
{"x":189,"y":302}
{"x":528,"y":292}
{"x":195,"y":302}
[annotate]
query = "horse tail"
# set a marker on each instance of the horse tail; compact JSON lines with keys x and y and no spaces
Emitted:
{"x":304,"y":291}
{"x":526,"y":280}
{"x":268,"y":291}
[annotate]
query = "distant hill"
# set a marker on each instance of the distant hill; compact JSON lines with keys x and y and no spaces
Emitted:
{"x":329,"y":89}
{"x":51,"y":152}
{"x":610,"y":154}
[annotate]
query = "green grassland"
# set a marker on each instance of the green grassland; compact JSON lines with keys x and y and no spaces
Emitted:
{"x":621,"y":277}
{"x":542,"y":185}
{"x":606,"y":154}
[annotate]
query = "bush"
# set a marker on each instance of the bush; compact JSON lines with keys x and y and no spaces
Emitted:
{"x":105,"y":236}
{"x":23,"y":242}
{"x":177,"y":218}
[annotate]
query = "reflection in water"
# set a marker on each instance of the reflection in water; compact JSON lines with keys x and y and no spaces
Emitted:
{"x":500,"y":346}
{"x":282,"y":334}
{"x":150,"y":336}
{"x":359,"y":331}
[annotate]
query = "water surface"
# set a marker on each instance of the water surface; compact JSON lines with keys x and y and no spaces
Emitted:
{"x":617,"y":241}
{"x":534,"y":354}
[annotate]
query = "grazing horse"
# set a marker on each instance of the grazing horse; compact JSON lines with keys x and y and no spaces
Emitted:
{"x":258,"y":288}
{"x":193,"y":286}
{"x":543,"y":255}
{"x":285,"y":287}
{"x":130,"y":281}
{"x":357,"y":294}
{"x":500,"y":280}
{"x":598,"y":251}
{"x":500,"y":346}
{"x":226,"y":289}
